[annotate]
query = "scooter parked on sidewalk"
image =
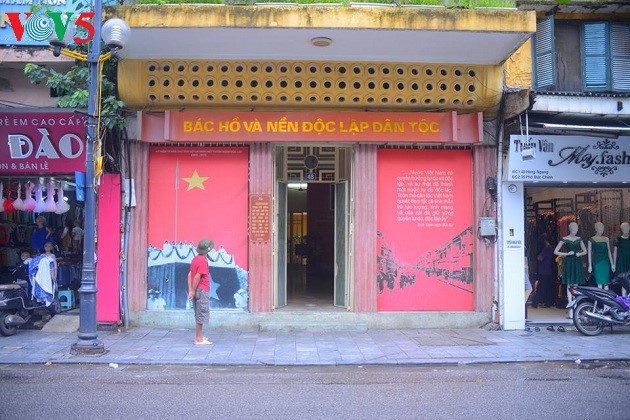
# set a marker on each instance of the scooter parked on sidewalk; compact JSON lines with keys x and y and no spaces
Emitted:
{"x":595,"y":309}
{"x":16,"y":306}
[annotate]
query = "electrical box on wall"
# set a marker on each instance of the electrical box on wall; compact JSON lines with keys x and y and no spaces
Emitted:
{"x":487,"y":226}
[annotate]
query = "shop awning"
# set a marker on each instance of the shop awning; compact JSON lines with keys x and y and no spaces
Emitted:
{"x":376,"y":34}
{"x":298,"y":57}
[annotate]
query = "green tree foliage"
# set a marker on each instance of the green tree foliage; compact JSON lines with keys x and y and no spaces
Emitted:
{"x":72,"y":88}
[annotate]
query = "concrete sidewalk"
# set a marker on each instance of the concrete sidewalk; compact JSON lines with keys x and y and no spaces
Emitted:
{"x":145,"y":345}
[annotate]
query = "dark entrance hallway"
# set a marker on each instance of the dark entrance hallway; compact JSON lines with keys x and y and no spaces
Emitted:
{"x":310,"y":247}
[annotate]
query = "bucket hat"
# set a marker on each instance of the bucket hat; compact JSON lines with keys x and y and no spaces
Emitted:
{"x":204,"y":246}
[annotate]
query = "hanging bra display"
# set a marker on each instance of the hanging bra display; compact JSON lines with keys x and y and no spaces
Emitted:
{"x":8,"y":202}
{"x":18,"y":204}
{"x":34,"y":199}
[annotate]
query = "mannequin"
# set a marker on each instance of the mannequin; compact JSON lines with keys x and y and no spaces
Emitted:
{"x":572,"y":270}
{"x":621,"y":250}
{"x":600,"y":260}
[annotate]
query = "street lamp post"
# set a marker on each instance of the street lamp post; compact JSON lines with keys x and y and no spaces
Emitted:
{"x":88,"y":342}
{"x":114,"y":33}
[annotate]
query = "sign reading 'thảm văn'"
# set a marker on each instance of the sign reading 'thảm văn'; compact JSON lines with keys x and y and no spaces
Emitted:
{"x":571,"y":159}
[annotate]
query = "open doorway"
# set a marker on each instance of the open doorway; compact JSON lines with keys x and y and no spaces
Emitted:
{"x":312,"y":240}
{"x":310,"y":246}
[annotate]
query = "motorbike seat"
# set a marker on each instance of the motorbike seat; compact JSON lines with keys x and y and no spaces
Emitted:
{"x":10,"y":286}
{"x":597,"y":291}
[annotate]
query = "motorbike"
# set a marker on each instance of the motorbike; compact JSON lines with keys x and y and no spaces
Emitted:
{"x":595,"y":309}
{"x":16,"y":306}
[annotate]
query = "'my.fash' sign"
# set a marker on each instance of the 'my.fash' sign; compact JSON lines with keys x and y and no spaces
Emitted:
{"x":568,"y":159}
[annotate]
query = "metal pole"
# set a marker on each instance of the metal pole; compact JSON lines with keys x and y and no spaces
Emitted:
{"x":88,"y":342}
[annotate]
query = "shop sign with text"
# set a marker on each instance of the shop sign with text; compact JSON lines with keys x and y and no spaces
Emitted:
{"x":32,"y":22}
{"x":42,"y":143}
{"x":568,"y":159}
{"x":446,"y":127}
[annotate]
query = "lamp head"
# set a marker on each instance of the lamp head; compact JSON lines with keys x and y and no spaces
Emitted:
{"x":115,"y":33}
{"x":57,"y":45}
{"x":66,"y":39}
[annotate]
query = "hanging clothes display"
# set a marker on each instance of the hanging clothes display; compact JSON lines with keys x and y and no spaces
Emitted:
{"x":41,"y":269}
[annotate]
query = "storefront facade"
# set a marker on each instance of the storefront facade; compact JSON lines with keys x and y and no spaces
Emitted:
{"x":389,"y":153}
{"x":551,"y":181}
{"x":42,"y":165}
{"x":209,"y":175}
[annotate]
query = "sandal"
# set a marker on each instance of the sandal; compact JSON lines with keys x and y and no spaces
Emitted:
{"x":204,"y":342}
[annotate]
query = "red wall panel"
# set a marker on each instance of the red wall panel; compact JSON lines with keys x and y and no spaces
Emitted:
{"x":425,"y":238}
{"x":108,"y":250}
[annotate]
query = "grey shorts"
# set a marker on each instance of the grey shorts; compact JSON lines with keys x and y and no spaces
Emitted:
{"x":201,"y":305}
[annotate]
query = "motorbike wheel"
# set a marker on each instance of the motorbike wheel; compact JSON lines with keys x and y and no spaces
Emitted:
{"x":584,"y":324}
{"x":6,"y":330}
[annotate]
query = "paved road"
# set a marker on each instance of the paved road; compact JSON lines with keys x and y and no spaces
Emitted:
{"x":494,"y":391}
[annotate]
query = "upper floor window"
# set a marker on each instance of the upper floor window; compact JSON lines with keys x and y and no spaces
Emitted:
{"x":544,"y":54}
{"x":603,"y":63}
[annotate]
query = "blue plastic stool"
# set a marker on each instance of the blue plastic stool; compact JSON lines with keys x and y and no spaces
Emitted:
{"x":66,"y":299}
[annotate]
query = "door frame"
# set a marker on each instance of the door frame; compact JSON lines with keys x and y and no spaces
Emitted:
{"x":279,"y":247}
{"x":277,"y":272}
{"x":341,"y":194}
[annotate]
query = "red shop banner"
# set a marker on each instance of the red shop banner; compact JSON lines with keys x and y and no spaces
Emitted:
{"x":327,"y":126}
{"x":42,"y":142}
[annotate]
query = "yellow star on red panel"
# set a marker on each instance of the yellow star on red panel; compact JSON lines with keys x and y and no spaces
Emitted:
{"x":196,"y":181}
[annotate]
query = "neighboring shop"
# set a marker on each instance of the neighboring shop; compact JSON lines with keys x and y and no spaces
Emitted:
{"x":42,"y":165}
{"x":551,"y":181}
{"x":376,"y":210}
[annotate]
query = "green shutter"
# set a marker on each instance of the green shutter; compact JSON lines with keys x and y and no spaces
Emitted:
{"x":595,"y":56}
{"x":620,"y":52}
{"x":544,"y":54}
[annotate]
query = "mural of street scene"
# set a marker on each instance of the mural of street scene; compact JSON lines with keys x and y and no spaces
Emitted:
{"x":424,"y":235}
{"x":446,"y":271}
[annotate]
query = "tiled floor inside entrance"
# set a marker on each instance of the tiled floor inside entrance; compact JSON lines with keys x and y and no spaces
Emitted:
{"x":308,"y":291}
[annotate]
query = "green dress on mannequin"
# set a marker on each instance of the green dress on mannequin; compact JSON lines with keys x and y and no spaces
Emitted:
{"x":622,"y":263}
{"x":601,"y":262}
{"x":572,"y":269}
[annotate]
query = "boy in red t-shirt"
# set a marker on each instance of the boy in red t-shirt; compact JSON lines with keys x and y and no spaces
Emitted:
{"x":199,"y":289}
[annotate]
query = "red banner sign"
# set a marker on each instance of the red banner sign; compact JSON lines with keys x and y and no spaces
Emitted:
{"x":42,"y":143}
{"x":351,"y":126}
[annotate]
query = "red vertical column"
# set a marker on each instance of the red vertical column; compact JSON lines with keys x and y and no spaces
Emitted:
{"x":260,"y":275}
{"x":108,"y":250}
{"x":364,"y":186}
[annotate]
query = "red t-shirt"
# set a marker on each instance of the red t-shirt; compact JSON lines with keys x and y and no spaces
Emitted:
{"x":199,"y":264}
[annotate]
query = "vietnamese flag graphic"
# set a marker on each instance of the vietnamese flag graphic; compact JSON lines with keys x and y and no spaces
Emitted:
{"x":197,"y":193}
